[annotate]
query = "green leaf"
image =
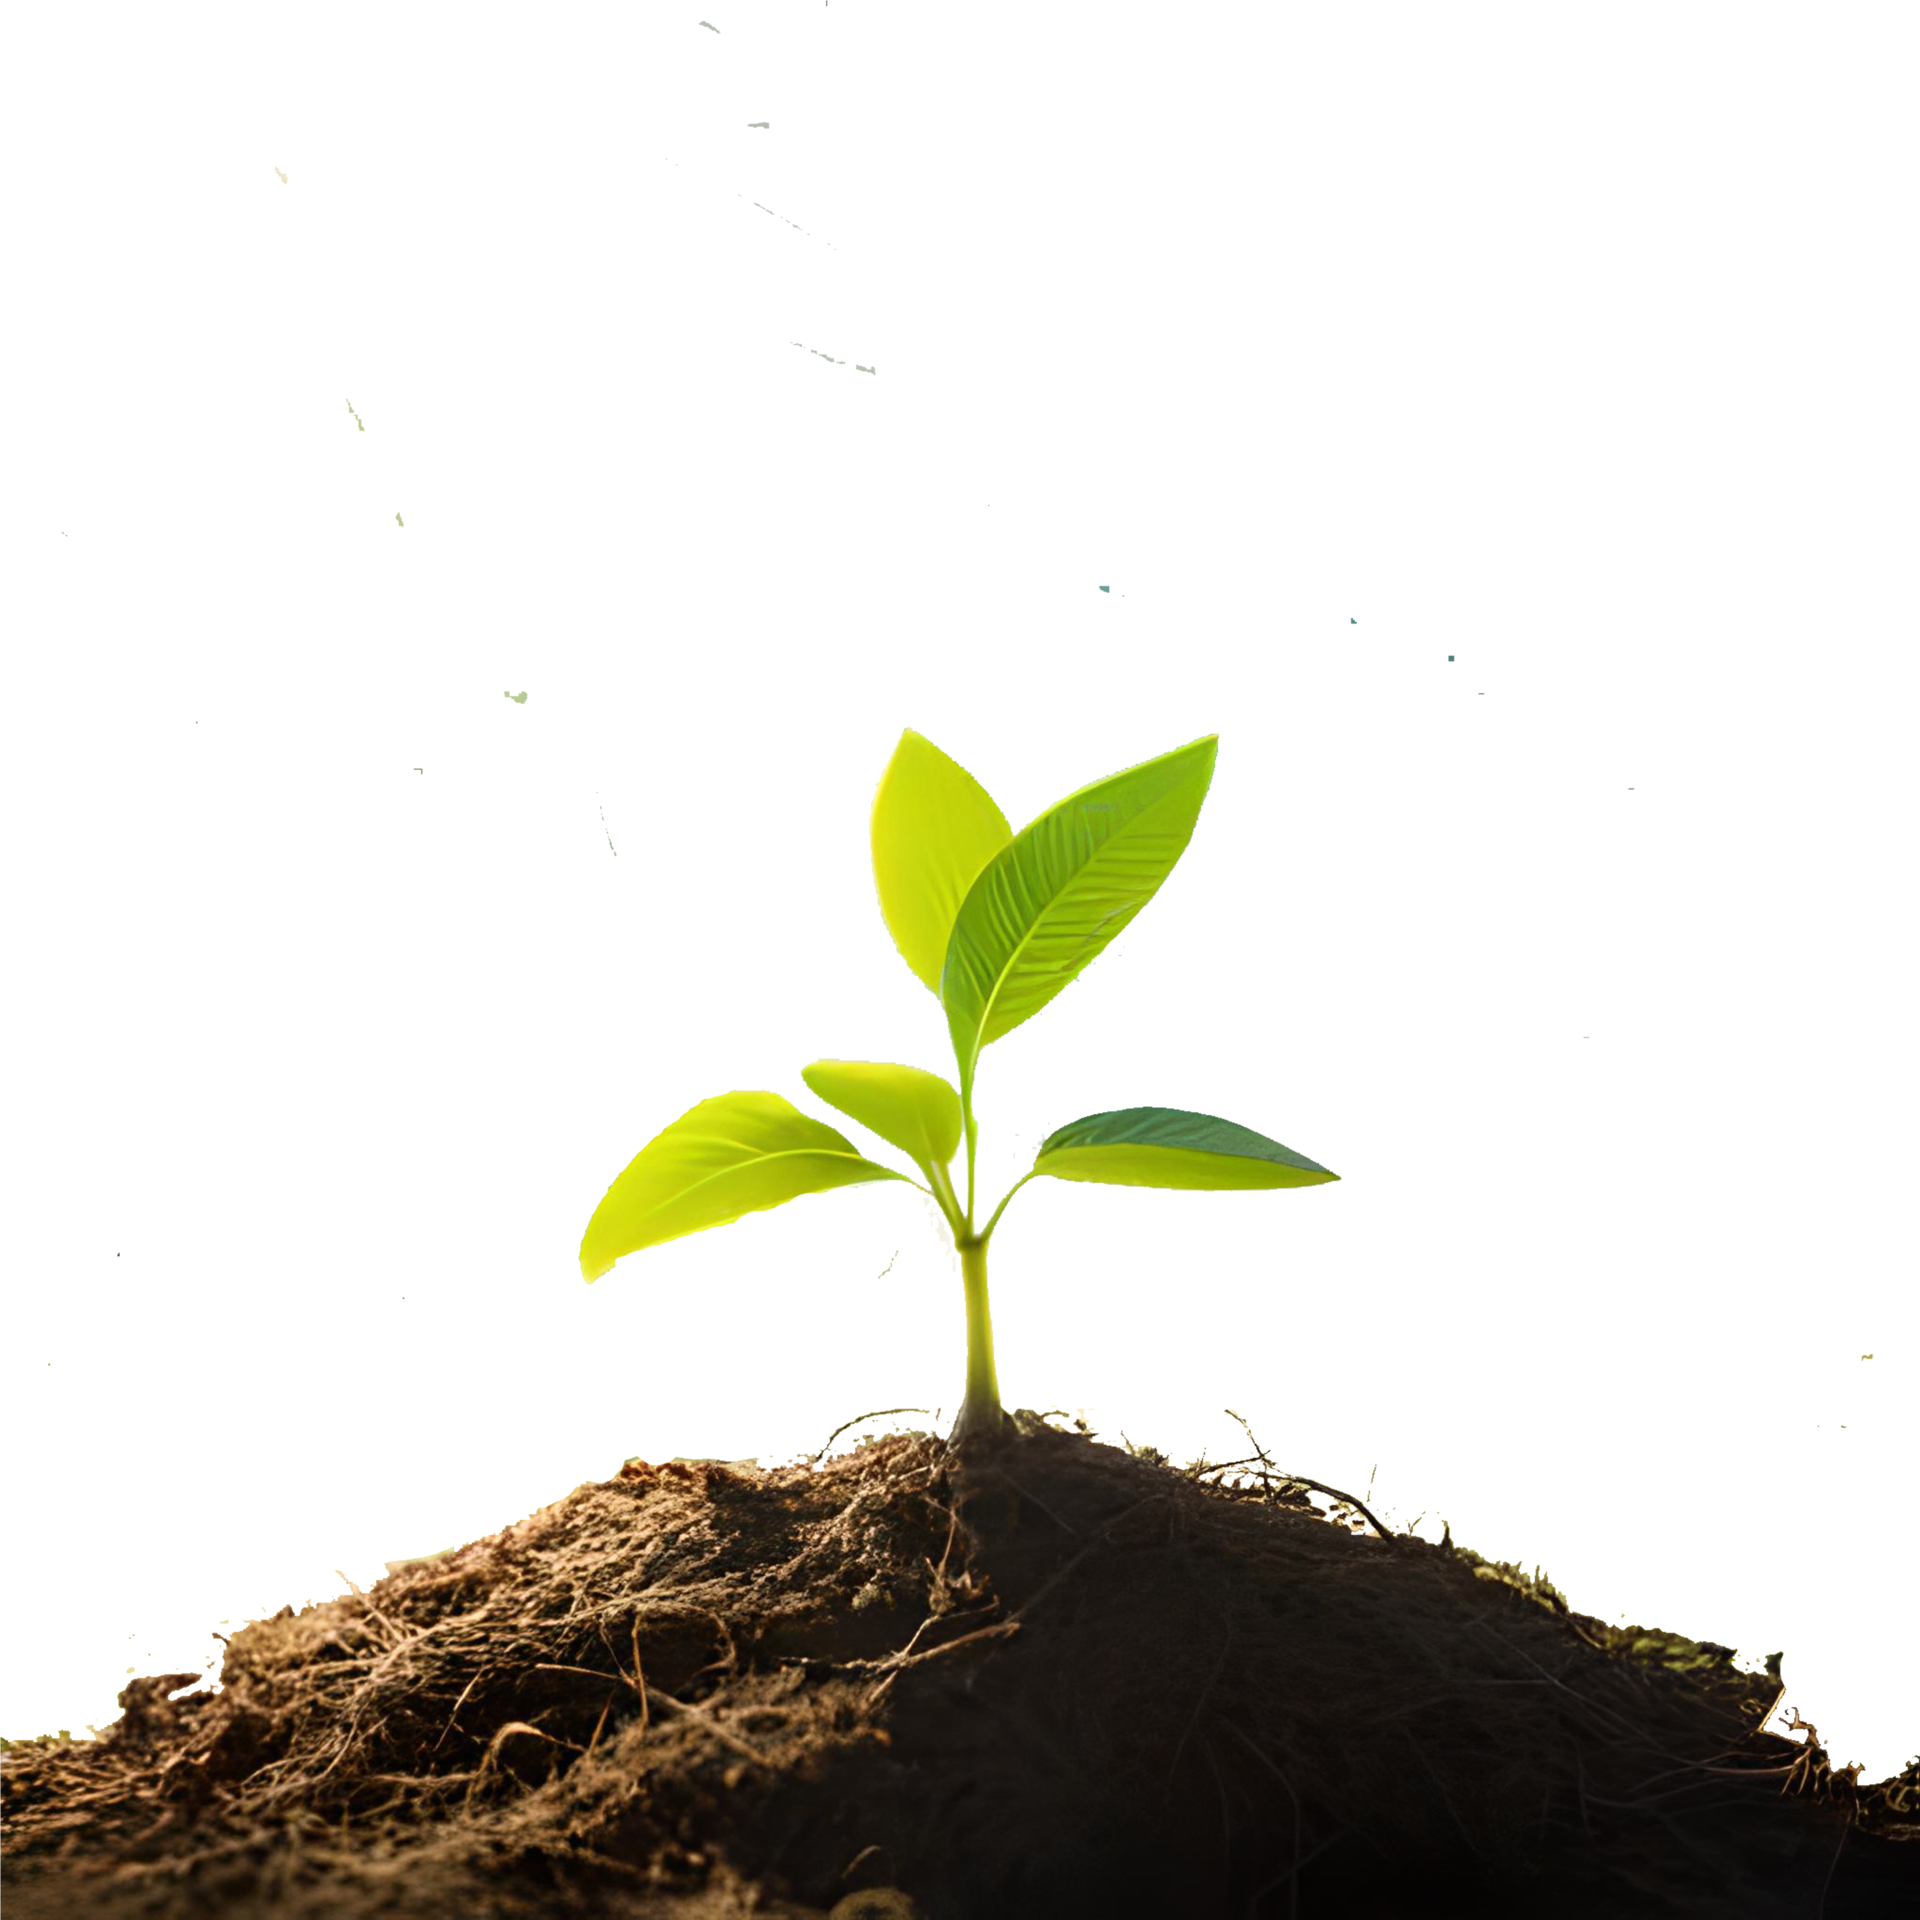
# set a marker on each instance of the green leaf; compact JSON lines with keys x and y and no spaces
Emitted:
{"x":736,"y":1153}
{"x":933,"y":830}
{"x":914,"y":1110}
{"x":1169,"y":1147}
{"x":1051,"y":899}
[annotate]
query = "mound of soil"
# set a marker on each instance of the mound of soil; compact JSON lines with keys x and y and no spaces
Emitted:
{"x":1039,"y":1677}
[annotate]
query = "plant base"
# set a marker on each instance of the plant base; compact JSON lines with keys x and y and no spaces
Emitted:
{"x":1052,"y":1678}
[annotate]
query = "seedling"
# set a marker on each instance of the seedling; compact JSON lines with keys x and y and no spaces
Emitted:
{"x":994,"y":924}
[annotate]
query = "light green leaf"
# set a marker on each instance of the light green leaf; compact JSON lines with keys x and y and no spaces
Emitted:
{"x":1169,"y":1147}
{"x":916,"y":1111}
{"x":1051,"y":899}
{"x":933,"y":830}
{"x":734,"y":1154}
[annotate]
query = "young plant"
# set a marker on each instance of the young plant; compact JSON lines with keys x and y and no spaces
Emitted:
{"x":994,"y":924}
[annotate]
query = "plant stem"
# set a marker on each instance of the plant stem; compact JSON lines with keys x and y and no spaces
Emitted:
{"x":981,"y":1416}
{"x":973,"y":1135}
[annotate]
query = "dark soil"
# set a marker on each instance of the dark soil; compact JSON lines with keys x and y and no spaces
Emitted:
{"x":1049,"y":1677}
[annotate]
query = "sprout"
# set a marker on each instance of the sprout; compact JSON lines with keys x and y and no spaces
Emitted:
{"x":994,"y":924}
